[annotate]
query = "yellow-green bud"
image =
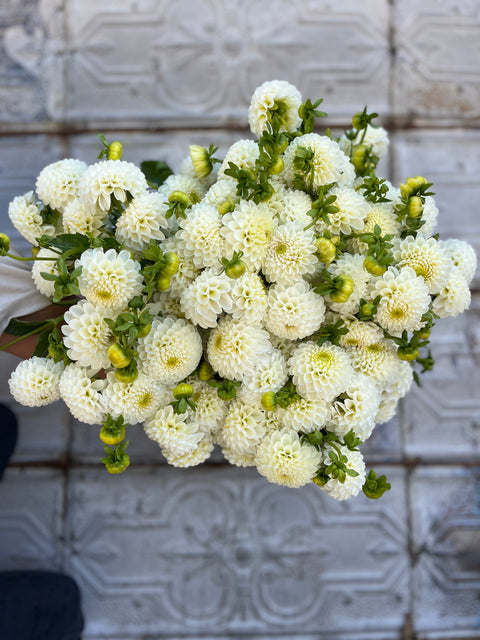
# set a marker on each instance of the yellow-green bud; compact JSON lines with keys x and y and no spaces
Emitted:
{"x":115,"y":151}
{"x":179,"y":197}
{"x":205,"y":371}
{"x":412,"y":185}
{"x":359,"y":157}
{"x":414,"y":207}
{"x":117,"y":356}
{"x":112,"y":436}
{"x":367,"y":309}
{"x":35,"y":251}
{"x":226,"y":206}
{"x":162,"y":282}
{"x":357,"y":120}
{"x":326,"y":250}
{"x":373,"y":266}
{"x":202,"y":164}
{"x":171,"y":262}
{"x":268,"y":401}
{"x":4,"y":244}
{"x":183,"y":390}
{"x":277,"y":166}
{"x":344,"y":288}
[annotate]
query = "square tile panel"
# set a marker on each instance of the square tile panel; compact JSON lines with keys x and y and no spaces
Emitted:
{"x":445,"y":503}
{"x":211,"y":551}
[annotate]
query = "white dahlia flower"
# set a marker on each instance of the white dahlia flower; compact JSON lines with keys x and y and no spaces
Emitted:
{"x":295,"y":207}
{"x":429,"y":216}
{"x":136,"y":401}
{"x":177,"y":434}
{"x":109,"y":179}
{"x":35,"y":382}
{"x":109,"y":279}
{"x":58,"y":183}
{"x":243,"y":426}
{"x":404,"y":298}
{"x":381,"y":214}
{"x":269,"y":374}
{"x":235,"y":347}
{"x":249,"y":298}
{"x":427,"y":257}
{"x":304,"y":414}
{"x":141,"y":222}
{"x":167,"y":305}
{"x":274,"y":100}
{"x":87,"y":336}
{"x":82,"y":395}
{"x":454,"y":297}
{"x":171,"y":351}
{"x":25,"y":216}
{"x":356,"y":408}
{"x":206,"y":298}
{"x":353,"y":484}
{"x":193,"y":458}
{"x":210,"y":409}
{"x":249,"y":228}
{"x":290,"y":254}
{"x":328,"y":160}
{"x":294,"y":312}
{"x":402,"y":382}
{"x":378,"y":360}
{"x":320,"y":372}
{"x":46,"y":287}
{"x":387,"y":409}
{"x":221,"y":192}
{"x":462,"y":256}
{"x":243,"y":153}
{"x":352,"y":211}
{"x":284,"y":460}
{"x":239,"y":459}
{"x":201,"y":233}
{"x":80,"y":217}
{"x":361,"y":334}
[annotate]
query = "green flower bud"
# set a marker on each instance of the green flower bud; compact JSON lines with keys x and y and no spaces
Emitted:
{"x":367,"y":309}
{"x":268,"y":401}
{"x":357,"y":120}
{"x":326,"y":250}
{"x":408,"y":353}
{"x":4,"y":244}
{"x":117,"y":356}
{"x":162,"y":282}
{"x":359,"y":157}
{"x":112,"y":435}
{"x":205,"y":371}
{"x":183,"y":390}
{"x":202,"y":164}
{"x":171,"y":263}
{"x":374,"y":266}
{"x":344,"y":289}
{"x":414,"y":207}
{"x":179,"y":197}
{"x":277,"y":166}
{"x":115,"y":151}
{"x":412,"y":185}
{"x":226,"y":206}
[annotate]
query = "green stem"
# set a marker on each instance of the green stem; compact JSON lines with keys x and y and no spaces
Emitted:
{"x":23,"y":259}
{"x":49,"y":324}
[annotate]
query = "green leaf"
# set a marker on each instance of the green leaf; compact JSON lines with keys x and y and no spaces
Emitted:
{"x":41,"y":349}
{"x":20,"y":328}
{"x":66,"y":242}
{"x":155,"y":171}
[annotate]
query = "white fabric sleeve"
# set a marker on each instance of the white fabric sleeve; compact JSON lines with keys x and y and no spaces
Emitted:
{"x":18,"y":294}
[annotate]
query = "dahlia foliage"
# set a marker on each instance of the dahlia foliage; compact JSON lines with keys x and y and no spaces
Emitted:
{"x":275,"y":303}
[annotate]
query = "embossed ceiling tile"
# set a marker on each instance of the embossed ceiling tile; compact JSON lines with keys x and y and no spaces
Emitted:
{"x":446,"y":534}
{"x":21,"y":160}
{"x":31,"y":503}
{"x":31,"y":67}
{"x":43,"y":431}
{"x":203,"y":59}
{"x":442,"y":417}
{"x":451,"y":160}
{"x":437,"y":60}
{"x":221,"y":551}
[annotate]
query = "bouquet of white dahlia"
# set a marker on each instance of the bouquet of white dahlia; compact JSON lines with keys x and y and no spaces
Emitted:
{"x":274,"y":303}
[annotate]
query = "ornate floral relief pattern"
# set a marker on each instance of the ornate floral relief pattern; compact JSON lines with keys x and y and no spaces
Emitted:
{"x":221,"y":549}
